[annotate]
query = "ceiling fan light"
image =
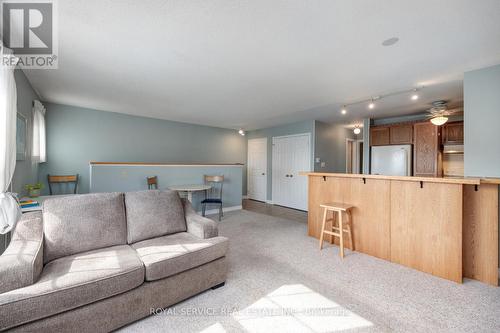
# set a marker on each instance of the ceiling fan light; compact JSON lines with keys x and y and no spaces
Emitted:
{"x":439,"y":120}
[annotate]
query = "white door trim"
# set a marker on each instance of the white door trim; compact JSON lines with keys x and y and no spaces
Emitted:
{"x":273,"y":179}
{"x":292,"y":135}
{"x":347,"y":140}
{"x":356,"y":152}
{"x":264,"y":139}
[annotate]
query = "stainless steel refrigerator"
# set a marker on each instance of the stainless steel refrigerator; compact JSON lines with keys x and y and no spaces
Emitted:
{"x":394,"y":160}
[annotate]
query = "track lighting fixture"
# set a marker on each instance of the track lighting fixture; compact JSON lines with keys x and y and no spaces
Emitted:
{"x":371,"y":102}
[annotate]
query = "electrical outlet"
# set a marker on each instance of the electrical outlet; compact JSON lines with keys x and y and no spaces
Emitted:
{"x":323,"y":164}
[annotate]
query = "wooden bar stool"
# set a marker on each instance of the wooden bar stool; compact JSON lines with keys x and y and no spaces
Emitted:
{"x":337,"y":230}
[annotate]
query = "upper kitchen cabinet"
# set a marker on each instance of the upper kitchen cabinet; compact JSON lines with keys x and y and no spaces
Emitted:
{"x":453,"y":133}
{"x":401,"y":134}
{"x":426,"y":154}
{"x":379,"y":136}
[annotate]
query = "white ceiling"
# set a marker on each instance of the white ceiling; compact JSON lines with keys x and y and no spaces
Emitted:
{"x":262,"y":63}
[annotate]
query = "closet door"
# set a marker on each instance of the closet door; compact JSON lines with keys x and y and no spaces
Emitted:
{"x":257,"y":169}
{"x":291,"y":155}
{"x":280,"y":171}
{"x":301,"y":161}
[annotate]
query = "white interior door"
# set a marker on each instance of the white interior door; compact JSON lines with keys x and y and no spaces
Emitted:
{"x":257,"y":169}
{"x":291,"y":155}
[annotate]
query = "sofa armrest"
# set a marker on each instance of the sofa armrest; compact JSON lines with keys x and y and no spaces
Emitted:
{"x":22,"y":261}
{"x":198,"y":225}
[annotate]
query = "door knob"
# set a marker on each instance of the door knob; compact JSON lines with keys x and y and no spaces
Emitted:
{"x":263,"y":174}
{"x":291,"y":175}
{"x":286,"y":176}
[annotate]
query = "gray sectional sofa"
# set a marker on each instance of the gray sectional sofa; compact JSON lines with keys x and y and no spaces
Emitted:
{"x":96,"y":262}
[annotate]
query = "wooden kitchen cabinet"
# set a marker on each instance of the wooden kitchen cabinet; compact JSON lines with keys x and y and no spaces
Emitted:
{"x":453,"y":133}
{"x":426,"y":154}
{"x":379,"y":136}
{"x":401,"y":134}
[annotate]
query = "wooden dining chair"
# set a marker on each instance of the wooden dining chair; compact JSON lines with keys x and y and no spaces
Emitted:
{"x":58,"y":179}
{"x":152,"y":183}
{"x":213,"y":196}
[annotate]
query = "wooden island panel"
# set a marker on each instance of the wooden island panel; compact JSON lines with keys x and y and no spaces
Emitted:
{"x":323,"y":191}
{"x":480,"y":233}
{"x":426,"y":227}
{"x":371,"y":212}
{"x":371,"y":216}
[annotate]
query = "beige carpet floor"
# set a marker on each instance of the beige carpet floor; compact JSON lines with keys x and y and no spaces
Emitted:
{"x":280,"y":282}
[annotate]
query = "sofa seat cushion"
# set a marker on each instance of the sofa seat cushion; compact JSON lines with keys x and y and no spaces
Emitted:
{"x":172,"y":254}
{"x":152,"y":214}
{"x":69,"y":282}
{"x":79,"y":223}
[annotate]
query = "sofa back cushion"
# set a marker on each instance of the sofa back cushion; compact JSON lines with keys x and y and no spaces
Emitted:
{"x":80,"y":223}
{"x":152,"y":214}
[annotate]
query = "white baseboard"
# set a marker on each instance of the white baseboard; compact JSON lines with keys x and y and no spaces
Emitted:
{"x":270,"y":202}
{"x":224,"y":209}
{"x":245,"y":197}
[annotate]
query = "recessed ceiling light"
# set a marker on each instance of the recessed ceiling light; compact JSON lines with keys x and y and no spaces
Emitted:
{"x":371,"y":105}
{"x":357,"y":130}
{"x":414,"y":97}
{"x":343,"y":111}
{"x":241,"y":132}
{"x":390,"y":41}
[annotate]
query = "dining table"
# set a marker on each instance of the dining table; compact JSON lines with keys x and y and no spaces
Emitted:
{"x":189,"y":189}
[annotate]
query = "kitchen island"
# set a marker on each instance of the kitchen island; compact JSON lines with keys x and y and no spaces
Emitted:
{"x":447,"y":227}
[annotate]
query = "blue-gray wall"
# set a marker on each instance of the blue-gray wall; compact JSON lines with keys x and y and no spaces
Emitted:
{"x":295,"y":128}
{"x":482,"y":122}
{"x":330,"y":146}
{"x":124,"y":178}
{"x":76,"y":136}
{"x":26,"y":171}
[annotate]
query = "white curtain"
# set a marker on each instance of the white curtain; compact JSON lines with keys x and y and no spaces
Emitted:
{"x":9,"y":209}
{"x":38,"y":150}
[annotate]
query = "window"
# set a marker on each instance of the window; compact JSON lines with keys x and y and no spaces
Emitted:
{"x":38,"y":152}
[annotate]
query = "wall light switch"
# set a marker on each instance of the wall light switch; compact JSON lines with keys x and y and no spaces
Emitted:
{"x":323,"y":164}
{"x":317,"y":159}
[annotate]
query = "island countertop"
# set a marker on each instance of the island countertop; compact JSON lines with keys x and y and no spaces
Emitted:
{"x":447,"y":227}
{"x":445,"y":180}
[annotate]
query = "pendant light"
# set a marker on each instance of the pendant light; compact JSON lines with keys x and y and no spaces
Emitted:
{"x":371,"y":105}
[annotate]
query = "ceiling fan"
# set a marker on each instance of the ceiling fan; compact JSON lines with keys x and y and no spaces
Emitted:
{"x":439,"y":112}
